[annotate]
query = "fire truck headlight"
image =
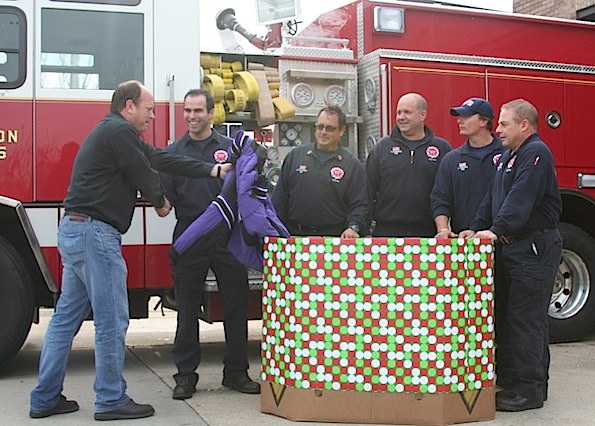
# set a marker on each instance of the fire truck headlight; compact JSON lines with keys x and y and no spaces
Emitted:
{"x":389,"y":19}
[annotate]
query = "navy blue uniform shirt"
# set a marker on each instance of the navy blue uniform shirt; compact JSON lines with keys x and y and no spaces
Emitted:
{"x":524,"y":195}
{"x":463,"y":179}
{"x":191,"y":197}
{"x":329,"y":193}
{"x":401,"y":179}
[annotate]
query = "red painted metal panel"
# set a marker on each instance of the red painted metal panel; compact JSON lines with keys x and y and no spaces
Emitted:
{"x":61,"y":128}
{"x":579,"y":94}
{"x":469,"y":32}
{"x":157,"y":272}
{"x":443,"y":85}
{"x":16,"y":149}
{"x":52,"y":258}
{"x":135,"y":259}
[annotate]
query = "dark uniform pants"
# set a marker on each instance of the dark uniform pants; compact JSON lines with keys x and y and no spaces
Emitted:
{"x":525,"y":274}
{"x":189,"y":273}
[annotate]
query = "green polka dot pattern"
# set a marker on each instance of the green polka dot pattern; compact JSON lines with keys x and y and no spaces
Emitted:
{"x":378,"y":314}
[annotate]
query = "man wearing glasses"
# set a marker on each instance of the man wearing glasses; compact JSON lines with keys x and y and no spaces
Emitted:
{"x":401,"y":170}
{"x":322,"y":187}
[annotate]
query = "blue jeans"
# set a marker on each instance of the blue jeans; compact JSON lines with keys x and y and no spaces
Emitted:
{"x":93,"y":279}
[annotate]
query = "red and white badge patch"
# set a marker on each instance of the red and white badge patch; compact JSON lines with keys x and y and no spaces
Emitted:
{"x":432,"y":152}
{"x":510,"y":164}
{"x":496,"y":158}
{"x":337,"y":173}
{"x":220,"y":156}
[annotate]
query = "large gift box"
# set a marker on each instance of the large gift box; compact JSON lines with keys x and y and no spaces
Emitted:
{"x":378,"y":330}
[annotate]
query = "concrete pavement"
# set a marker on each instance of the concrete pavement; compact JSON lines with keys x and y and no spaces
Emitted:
{"x":149,"y":370}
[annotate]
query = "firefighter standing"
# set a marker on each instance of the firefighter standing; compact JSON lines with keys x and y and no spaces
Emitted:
{"x":322,"y":187}
{"x":465,"y":173}
{"x":401,"y":170}
{"x":191,"y":197}
{"x":521,"y":212}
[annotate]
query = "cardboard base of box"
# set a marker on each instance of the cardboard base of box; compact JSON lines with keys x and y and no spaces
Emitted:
{"x":377,"y":407}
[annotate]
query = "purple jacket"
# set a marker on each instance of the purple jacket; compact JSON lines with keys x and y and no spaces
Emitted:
{"x":243,"y":207}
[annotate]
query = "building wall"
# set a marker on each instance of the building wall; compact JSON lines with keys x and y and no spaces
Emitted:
{"x":556,"y":8}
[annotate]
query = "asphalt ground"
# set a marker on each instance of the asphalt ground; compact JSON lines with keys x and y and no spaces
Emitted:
{"x":149,"y":370}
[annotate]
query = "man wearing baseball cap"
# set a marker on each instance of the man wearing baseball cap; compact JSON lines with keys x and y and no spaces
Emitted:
{"x":464,"y":175}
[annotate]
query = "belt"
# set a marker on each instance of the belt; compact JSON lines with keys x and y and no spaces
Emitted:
{"x":514,"y":238}
{"x":315,"y":229}
{"x":76,"y":217}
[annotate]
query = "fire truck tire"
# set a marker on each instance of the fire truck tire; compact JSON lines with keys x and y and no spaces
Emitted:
{"x":17,"y":301}
{"x":572,"y":306}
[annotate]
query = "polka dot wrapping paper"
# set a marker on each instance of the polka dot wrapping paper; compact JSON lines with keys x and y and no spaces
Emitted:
{"x":378,"y":314}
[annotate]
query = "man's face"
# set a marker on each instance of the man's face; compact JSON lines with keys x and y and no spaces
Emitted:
{"x":470,"y":125}
{"x":509,"y":130}
{"x":140,"y":115}
{"x":328,"y":133}
{"x":410,"y":119}
{"x":197,"y":117}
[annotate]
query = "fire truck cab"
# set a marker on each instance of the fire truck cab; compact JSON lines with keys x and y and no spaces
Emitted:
{"x":61,"y":59}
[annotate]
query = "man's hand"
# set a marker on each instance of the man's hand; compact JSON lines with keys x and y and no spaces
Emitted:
{"x":486,"y":234}
{"x":221,"y":170}
{"x":467,"y":233}
{"x":445,"y":233}
{"x":164,"y":211}
{"x":349,"y":233}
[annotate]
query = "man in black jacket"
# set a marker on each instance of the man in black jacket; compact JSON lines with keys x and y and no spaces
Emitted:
{"x":191,"y":197}
{"x":322,"y":187}
{"x":112,"y":164}
{"x":465,"y":173}
{"x":401,"y":170}
{"x":520,"y":214}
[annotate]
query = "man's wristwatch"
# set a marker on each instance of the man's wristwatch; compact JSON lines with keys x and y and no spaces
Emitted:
{"x":355,"y":228}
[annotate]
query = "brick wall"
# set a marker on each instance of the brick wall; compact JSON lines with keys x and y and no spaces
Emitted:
{"x":556,"y":8}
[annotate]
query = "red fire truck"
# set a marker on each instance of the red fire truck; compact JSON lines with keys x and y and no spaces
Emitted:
{"x":61,"y":59}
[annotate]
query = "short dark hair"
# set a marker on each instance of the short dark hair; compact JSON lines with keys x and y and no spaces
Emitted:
{"x":202,"y":92}
{"x":335,"y":110}
{"x":130,"y":89}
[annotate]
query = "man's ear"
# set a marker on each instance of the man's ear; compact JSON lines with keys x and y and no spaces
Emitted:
{"x":130,"y":105}
{"x":525,"y":125}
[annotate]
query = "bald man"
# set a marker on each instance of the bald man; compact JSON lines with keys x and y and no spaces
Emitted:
{"x":401,"y":170}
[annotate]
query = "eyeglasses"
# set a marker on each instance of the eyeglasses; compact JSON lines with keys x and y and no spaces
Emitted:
{"x":321,"y":127}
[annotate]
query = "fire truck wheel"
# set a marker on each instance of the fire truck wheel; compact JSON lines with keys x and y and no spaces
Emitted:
{"x":17,"y":303}
{"x":572,"y":306}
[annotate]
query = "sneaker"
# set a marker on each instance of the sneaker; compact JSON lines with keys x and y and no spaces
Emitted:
{"x":62,"y":407}
{"x":242,"y":383}
{"x":132,"y":410}
{"x":185,"y":386}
